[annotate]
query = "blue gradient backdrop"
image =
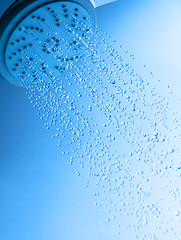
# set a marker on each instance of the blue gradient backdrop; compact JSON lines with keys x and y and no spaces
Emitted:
{"x":41,"y":197}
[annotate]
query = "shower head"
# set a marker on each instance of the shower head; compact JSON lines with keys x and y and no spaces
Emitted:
{"x":40,"y":39}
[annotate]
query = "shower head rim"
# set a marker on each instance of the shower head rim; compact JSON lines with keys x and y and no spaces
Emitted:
{"x":16,"y":13}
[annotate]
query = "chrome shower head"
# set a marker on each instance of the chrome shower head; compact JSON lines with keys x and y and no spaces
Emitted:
{"x":42,"y":38}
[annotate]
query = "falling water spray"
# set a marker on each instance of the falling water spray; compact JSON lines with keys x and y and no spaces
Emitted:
{"x":112,"y":121}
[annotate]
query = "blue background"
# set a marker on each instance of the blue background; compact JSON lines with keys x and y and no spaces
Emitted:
{"x":41,"y":197}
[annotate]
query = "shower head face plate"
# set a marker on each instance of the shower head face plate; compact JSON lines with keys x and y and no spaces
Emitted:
{"x":45,"y":41}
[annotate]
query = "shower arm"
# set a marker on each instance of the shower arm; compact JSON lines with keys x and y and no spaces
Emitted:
{"x":97,"y":3}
